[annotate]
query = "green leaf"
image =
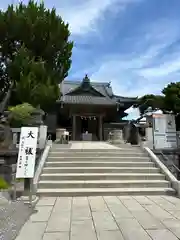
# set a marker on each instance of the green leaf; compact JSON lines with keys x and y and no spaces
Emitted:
{"x":20,"y":115}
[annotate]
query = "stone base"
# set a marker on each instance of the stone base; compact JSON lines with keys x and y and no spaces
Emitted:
{"x":117,"y":141}
{"x":117,"y":136}
{"x":60,"y":133}
{"x":25,"y":199}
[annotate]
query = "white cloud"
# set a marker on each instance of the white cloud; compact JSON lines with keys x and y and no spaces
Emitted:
{"x":124,"y":76}
{"x":130,"y":74}
{"x":84,"y":17}
{"x":162,"y":70}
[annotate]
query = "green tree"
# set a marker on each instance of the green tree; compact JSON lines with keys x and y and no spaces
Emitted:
{"x":150,"y":100}
{"x":45,"y":36}
{"x":32,"y":81}
{"x":172,"y":97}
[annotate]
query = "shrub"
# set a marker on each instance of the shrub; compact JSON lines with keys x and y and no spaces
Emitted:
{"x":20,"y":115}
{"x":3,"y":184}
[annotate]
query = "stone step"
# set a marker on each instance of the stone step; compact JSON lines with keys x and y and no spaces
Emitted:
{"x":97,"y":172}
{"x":65,"y":150}
{"x":104,"y":184}
{"x":97,"y":154}
{"x":99,"y":159}
{"x":98,"y":164}
{"x":75,"y":192}
{"x":100,"y":169}
{"x":102,"y":176}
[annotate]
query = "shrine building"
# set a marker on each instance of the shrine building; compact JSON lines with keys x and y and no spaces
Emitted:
{"x":88,"y":110}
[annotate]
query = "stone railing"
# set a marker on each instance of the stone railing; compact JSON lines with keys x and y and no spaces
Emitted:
{"x":171,"y":159}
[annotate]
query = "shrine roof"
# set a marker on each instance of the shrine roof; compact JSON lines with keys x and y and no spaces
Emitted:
{"x":86,"y":92}
{"x":103,"y":88}
{"x":82,"y":99}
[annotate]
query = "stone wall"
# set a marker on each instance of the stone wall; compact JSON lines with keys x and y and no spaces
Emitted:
{"x":8,"y":164}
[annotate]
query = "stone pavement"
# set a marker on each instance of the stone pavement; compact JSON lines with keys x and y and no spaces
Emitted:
{"x":104,"y":218}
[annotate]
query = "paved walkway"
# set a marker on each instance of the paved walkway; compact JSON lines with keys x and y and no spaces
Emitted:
{"x":92,"y":145}
{"x":104,"y":218}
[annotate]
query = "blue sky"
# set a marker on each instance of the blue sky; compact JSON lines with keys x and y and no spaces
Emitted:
{"x":132,"y":43}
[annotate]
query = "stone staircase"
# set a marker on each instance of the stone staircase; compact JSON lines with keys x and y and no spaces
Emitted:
{"x":93,"y":172}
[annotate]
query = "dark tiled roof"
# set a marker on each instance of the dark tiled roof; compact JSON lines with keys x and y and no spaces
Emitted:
{"x":125,"y":99}
{"x":108,"y":98}
{"x":103,"y":88}
{"x":79,"y":99}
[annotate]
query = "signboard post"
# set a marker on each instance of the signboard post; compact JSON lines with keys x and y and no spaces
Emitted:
{"x":27,"y":154}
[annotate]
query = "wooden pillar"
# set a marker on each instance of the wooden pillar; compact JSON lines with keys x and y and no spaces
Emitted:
{"x":100,"y":128}
{"x":74,"y":128}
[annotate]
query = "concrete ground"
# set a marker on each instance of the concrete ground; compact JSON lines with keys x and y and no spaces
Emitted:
{"x":104,"y":218}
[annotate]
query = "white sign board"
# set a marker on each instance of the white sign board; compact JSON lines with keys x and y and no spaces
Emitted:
{"x":164,"y":131}
{"x":27,"y":152}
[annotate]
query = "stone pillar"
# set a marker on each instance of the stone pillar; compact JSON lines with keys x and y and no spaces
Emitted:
{"x":74,"y":128}
{"x":15,"y":138}
{"x":100,"y":128}
{"x":42,"y":136}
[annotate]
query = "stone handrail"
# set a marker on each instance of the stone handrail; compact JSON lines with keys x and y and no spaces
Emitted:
{"x":41,"y":161}
{"x":174,"y":182}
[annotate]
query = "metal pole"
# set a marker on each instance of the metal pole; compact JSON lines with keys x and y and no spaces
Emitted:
{"x":26,"y":184}
{"x":30,"y":193}
{"x":153,"y":129}
{"x":14,"y":188}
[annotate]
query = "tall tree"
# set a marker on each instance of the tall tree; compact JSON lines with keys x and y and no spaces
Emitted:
{"x":39,"y":30}
{"x":172,"y":97}
{"x":32,"y":81}
{"x":150,"y":100}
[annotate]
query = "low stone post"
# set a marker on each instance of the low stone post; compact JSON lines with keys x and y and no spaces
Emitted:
{"x":60,"y":133}
{"x":117,"y":136}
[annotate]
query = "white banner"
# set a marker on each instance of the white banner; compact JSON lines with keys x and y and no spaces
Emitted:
{"x":27,"y":152}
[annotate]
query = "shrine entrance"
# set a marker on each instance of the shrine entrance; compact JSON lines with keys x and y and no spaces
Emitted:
{"x":84,"y":125}
{"x":87,"y":128}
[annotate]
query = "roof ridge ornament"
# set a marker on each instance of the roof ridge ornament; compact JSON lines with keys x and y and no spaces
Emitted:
{"x":86,"y":82}
{"x":86,"y":78}
{"x":109,"y":84}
